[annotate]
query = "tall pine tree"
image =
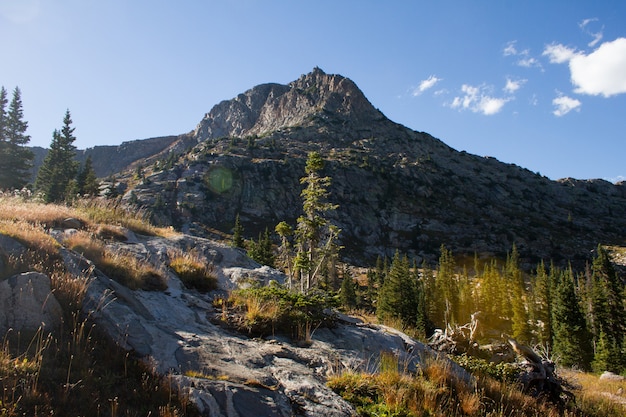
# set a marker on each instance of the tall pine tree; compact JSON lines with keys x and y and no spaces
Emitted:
{"x":59,"y":167}
{"x":15,"y":157}
{"x":571,"y":341}
{"x":607,"y":305}
{"x":397,"y":297}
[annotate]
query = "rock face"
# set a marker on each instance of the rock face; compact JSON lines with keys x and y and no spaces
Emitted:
{"x":27,"y":304}
{"x":396,"y":188}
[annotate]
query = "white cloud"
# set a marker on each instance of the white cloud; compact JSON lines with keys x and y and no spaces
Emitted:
{"x":478,"y":100}
{"x":524,"y":57}
{"x":564,"y":104}
{"x":602,"y":72}
{"x":510,"y":49}
{"x":513,"y":85}
{"x":426,"y":84}
{"x":558,"y":54}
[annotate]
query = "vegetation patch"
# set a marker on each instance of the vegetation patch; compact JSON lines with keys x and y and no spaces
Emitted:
{"x":193,"y":270}
{"x":123,"y":268}
{"x":275,"y":309}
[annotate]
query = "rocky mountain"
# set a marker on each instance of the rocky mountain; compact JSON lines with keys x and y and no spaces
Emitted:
{"x":396,"y":188}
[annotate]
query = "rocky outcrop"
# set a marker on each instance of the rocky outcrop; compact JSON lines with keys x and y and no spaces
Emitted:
{"x":225,"y":373}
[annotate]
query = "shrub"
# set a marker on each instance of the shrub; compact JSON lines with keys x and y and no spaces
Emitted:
{"x":270,"y":309}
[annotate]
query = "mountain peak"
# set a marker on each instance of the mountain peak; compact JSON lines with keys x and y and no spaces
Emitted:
{"x":269,"y":107}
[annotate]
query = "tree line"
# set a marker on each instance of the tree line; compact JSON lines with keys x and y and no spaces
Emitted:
{"x":579,"y":317}
{"x":60,"y":177}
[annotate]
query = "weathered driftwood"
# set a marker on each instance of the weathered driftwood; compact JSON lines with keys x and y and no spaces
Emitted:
{"x":538,"y":375}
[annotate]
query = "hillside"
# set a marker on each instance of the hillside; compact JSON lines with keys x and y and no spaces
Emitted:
{"x":396,"y":188}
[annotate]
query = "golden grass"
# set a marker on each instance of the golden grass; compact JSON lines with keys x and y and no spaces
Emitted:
{"x":122,"y":267}
{"x":92,"y":212}
{"x":194,"y":270}
{"x":600,"y":397}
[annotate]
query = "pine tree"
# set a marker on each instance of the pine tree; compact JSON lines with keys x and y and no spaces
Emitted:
{"x":608,"y":315}
{"x":520,"y":326}
{"x":542,"y":305}
{"x":261,"y":250}
{"x":347,"y":295}
{"x":571,"y":341}
{"x":447,"y":289}
{"x":15,"y":157}
{"x":86,"y":181}
{"x":238,"y":233}
{"x":59,"y":167}
{"x":315,"y":235}
{"x":397,"y":297}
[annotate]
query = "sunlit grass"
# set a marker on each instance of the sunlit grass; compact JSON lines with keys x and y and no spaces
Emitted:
{"x":194,"y":270}
{"x":598,"y":397}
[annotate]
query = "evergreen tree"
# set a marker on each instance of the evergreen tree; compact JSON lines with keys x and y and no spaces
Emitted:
{"x":284,"y":260}
{"x":542,"y":305}
{"x":571,"y":341}
{"x":397,"y":297}
{"x":238,"y":241}
{"x":261,"y":250}
{"x":520,"y":326}
{"x":86,"y":181}
{"x":447,"y":289}
{"x":608,"y":315}
{"x":15,"y":157}
{"x":315,"y":235}
{"x":347,"y":295}
{"x":59,"y":167}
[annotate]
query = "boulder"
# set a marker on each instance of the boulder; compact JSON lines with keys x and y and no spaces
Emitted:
{"x":27,"y":303}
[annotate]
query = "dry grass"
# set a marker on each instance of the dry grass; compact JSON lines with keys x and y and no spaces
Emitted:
{"x":123,"y":268}
{"x":600,"y":397}
{"x":194,"y":270}
{"x":92,"y":213}
{"x":435,"y":391}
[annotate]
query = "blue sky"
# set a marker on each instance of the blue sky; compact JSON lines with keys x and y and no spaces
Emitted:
{"x":541,"y":84}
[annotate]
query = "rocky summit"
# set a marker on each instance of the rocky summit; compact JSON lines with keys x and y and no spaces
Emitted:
{"x":396,"y":188}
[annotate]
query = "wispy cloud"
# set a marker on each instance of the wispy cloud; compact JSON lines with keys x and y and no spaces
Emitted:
{"x":601,"y":72}
{"x":426,"y":85}
{"x":513,"y":85}
{"x":524,"y":58}
{"x":597,"y":36}
{"x":564,"y":104}
{"x":478,"y":100}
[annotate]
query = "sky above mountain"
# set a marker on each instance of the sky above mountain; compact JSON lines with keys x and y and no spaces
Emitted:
{"x":540,"y":84}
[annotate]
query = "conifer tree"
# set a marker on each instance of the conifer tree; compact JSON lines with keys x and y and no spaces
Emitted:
{"x":447,"y":289}
{"x":397,"y":297}
{"x":608,"y":315}
{"x":315,"y":235}
{"x":520,"y":326}
{"x":59,"y":167}
{"x":571,"y":341}
{"x":86,"y":180}
{"x":15,"y":157}
{"x":261,"y":250}
{"x":238,"y":241}
{"x":347,"y":294}
{"x":542,"y":305}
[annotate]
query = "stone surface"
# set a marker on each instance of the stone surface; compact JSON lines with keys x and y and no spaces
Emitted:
{"x":27,"y":304}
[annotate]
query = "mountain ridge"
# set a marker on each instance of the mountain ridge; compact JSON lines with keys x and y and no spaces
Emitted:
{"x":396,"y":188}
